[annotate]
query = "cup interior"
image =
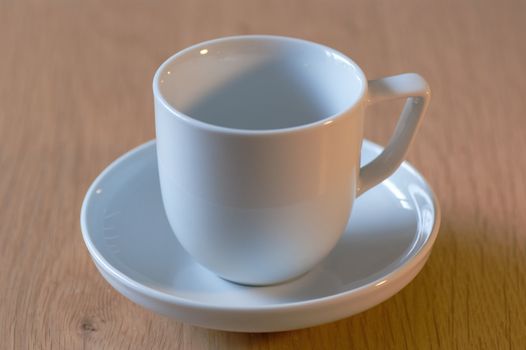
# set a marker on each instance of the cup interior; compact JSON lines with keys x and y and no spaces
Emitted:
{"x":259,"y":82}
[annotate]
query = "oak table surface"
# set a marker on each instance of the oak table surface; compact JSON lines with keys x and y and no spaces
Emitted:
{"x":75,"y":93}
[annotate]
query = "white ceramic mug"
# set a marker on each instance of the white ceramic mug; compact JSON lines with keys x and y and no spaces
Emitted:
{"x":258,"y":145}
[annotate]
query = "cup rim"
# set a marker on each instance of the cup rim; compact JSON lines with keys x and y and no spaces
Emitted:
{"x":229,"y":130}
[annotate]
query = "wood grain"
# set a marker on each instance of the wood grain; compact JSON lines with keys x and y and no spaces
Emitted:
{"x":75,"y":93}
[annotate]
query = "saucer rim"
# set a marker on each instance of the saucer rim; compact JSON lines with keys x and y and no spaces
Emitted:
{"x":417,"y":258}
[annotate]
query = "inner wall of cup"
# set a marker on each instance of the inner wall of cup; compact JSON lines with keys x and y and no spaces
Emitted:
{"x":260,"y":84}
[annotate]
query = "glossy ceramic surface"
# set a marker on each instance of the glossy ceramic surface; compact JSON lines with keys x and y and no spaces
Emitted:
{"x":386,"y":243}
{"x":258,"y":141}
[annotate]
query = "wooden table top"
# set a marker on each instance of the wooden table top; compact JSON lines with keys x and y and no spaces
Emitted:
{"x":75,"y":93}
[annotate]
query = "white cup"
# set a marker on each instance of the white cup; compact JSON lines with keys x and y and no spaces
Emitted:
{"x":258,"y":145}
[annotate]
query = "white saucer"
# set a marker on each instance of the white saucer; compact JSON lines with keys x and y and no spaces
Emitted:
{"x":389,"y":238}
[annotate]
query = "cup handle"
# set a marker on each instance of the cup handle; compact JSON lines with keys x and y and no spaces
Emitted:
{"x":413,"y":87}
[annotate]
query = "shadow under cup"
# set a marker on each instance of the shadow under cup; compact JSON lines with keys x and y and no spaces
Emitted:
{"x":257,"y":83}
